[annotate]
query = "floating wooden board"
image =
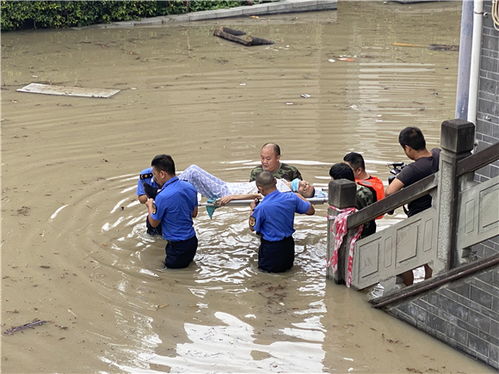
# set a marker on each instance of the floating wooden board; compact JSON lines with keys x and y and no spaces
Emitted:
{"x":239,"y":37}
{"x":48,"y":89}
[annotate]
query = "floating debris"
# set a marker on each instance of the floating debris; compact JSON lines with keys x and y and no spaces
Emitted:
{"x":48,"y":89}
{"x":433,"y":47}
{"x":29,"y":325}
{"x":347,"y":59}
{"x":239,"y":36}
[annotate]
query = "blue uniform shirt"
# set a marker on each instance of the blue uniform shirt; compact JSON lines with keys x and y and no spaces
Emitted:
{"x":274,"y":216}
{"x":174,"y":205}
{"x":145,"y":176}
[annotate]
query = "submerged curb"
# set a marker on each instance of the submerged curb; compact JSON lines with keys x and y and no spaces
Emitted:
{"x":283,"y":6}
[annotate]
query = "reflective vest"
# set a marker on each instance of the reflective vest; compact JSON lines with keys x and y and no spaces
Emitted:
{"x":376,"y":185}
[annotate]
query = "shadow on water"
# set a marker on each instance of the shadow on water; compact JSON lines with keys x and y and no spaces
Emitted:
{"x":74,"y":248}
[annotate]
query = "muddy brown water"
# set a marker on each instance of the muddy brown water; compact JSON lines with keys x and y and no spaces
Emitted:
{"x":74,"y":251}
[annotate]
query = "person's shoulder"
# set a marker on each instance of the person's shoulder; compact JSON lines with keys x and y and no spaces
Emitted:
{"x":256,"y":170}
{"x":146,"y":171}
{"x":365,"y":193}
{"x":272,"y":198}
{"x":186,"y":185}
{"x":285,"y":166}
{"x":291,"y":198}
{"x":362,"y":188}
{"x":288,"y":172}
{"x":375,"y":179}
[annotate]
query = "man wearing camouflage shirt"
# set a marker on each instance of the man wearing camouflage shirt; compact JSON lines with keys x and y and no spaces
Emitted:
{"x":363,"y":197}
{"x":270,"y":156}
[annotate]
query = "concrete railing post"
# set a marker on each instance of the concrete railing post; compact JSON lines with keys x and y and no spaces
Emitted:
{"x":341,"y":195}
{"x":457,"y":139}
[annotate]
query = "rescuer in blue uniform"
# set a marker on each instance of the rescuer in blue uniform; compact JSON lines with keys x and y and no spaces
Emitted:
{"x":146,"y":182}
{"x":273,"y":220}
{"x":174,"y":207}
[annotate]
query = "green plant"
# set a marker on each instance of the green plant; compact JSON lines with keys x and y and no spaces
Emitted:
{"x":17,"y":15}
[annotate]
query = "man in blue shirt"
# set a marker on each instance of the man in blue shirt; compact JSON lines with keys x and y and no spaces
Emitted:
{"x":273,"y":220}
{"x":173,"y":208}
{"x":147,"y":187}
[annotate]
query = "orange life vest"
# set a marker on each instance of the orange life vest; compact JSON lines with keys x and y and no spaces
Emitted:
{"x":375,"y":184}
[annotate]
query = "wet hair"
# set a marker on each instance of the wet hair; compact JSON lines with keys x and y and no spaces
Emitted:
{"x":265,"y":179}
{"x":412,"y":137}
{"x":341,"y":171}
{"x":355,"y":160}
{"x":165,"y":163}
{"x":277,"y":149}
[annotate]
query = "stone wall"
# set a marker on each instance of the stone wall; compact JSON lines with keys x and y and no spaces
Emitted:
{"x":487,"y":124}
{"x":463,"y":314}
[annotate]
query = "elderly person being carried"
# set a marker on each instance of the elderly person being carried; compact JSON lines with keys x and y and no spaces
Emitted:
{"x":214,"y":188}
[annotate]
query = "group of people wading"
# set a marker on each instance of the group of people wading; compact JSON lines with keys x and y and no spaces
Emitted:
{"x":277,"y":191}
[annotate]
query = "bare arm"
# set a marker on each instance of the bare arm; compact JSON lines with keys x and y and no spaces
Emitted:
{"x":393,"y":187}
{"x":226,"y":199}
{"x":195,"y":212}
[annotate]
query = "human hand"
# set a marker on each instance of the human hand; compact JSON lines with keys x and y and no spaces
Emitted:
{"x":224,"y":200}
{"x":254,"y":203}
{"x":150,"y":205}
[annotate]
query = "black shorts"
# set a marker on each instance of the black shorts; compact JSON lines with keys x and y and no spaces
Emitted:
{"x":276,"y":257}
{"x":180,"y":254}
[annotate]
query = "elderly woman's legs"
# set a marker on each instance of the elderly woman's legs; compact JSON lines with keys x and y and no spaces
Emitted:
{"x":207,"y":184}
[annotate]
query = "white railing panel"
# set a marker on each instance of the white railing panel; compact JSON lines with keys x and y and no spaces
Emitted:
{"x":398,"y":248}
{"x":478,"y":214}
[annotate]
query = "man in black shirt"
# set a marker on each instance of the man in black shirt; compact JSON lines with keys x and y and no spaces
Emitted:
{"x":425,"y":163}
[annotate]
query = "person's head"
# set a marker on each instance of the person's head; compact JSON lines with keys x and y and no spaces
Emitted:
{"x":341,"y":171}
{"x":270,"y":156}
{"x":306,"y":189}
{"x":265,"y":182}
{"x":163,"y":168}
{"x":412,"y":140}
{"x":356,"y":162}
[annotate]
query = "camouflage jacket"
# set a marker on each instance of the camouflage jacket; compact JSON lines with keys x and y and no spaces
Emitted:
{"x":363,"y":198}
{"x":286,"y":171}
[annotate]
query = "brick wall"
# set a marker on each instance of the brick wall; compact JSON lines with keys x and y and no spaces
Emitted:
{"x":487,"y":124}
{"x":463,"y":314}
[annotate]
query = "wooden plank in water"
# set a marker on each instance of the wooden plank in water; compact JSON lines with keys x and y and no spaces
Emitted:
{"x":48,"y":89}
{"x":239,"y":37}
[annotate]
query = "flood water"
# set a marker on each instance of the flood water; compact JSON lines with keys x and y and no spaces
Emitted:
{"x":74,"y":248}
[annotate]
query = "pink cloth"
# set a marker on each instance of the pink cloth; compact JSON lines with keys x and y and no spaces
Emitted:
{"x":340,"y":227}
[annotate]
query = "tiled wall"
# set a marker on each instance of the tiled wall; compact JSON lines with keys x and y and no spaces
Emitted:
{"x":464,"y":314}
